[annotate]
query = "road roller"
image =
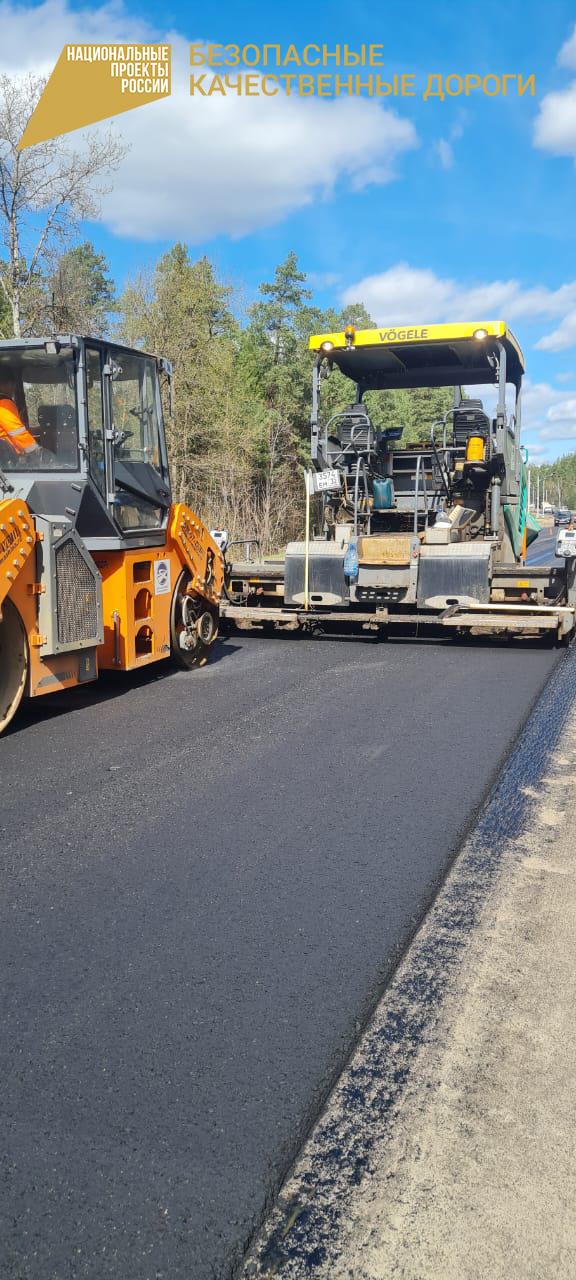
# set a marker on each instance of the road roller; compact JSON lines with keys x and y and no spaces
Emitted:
{"x":99,"y":568}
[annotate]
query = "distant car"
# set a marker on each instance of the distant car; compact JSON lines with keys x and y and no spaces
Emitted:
{"x":562,"y":517}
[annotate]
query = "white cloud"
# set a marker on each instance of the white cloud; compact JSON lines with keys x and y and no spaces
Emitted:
{"x":555,"y":131}
{"x":561,"y":338}
{"x":204,"y":166}
{"x":33,"y":38}
{"x":444,"y":153}
{"x":323,"y":279}
{"x":230,"y":165}
{"x":567,"y":376}
{"x":442,"y":149}
{"x":565,"y":411}
{"x":549,"y":415}
{"x":405,"y":294}
{"x":555,"y":125}
{"x":402,"y":292}
{"x":566,"y":432}
{"x":537,"y":399}
{"x":567,"y":55}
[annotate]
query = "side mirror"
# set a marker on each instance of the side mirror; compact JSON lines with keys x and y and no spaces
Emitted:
{"x":221,"y":538}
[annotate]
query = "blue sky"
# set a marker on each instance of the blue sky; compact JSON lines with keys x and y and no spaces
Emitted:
{"x":455,"y":209}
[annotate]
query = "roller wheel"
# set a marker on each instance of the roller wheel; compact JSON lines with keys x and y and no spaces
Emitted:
{"x":193,"y":626}
{"x":13,"y":663}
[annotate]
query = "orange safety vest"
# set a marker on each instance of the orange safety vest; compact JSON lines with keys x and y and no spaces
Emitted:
{"x":13,"y":430}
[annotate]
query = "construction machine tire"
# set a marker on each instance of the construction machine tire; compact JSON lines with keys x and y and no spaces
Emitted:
{"x":202,"y":629}
{"x":13,"y":663}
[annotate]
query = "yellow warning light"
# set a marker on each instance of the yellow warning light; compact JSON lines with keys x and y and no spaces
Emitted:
{"x":480,"y":333}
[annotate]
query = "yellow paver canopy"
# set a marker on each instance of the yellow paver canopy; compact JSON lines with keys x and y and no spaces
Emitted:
{"x":433,"y":355}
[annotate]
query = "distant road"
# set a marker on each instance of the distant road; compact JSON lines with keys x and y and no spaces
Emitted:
{"x":543,"y":548}
{"x":206,"y":880}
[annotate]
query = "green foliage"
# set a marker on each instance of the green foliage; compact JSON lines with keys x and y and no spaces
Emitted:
{"x":76,"y":295}
{"x":416,"y":410}
{"x":79,"y":293}
{"x":241,"y":436}
{"x":182,"y":312}
{"x":558,"y":480}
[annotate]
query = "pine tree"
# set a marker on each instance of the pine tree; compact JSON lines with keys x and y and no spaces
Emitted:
{"x":80,"y":294}
{"x":273,"y":360}
{"x":182,"y":313}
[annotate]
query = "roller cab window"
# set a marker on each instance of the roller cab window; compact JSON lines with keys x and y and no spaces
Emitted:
{"x":38,"y":411}
{"x":141,"y":487}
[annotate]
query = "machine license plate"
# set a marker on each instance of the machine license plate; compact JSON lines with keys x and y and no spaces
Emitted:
{"x":326,"y":481}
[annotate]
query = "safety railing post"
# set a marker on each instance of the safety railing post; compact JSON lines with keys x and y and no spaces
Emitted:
{"x":307,"y":483}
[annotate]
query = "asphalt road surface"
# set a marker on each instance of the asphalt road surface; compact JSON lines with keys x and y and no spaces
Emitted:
{"x":542,"y":550}
{"x":206,"y":880}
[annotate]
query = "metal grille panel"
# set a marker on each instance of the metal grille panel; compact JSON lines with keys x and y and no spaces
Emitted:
{"x":77,"y":596}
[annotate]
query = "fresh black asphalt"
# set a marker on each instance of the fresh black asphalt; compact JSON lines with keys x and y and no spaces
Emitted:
{"x":543,"y":548}
{"x":206,"y":880}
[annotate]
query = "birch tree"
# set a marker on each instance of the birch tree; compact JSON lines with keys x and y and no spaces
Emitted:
{"x":45,"y":191}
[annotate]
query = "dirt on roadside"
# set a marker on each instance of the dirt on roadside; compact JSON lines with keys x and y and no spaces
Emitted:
{"x":479,"y":1177}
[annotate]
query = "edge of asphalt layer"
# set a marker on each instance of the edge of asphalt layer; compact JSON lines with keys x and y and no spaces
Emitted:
{"x":296,"y":1237}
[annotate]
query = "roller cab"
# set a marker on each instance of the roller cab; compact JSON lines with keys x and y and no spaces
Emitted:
{"x":107,"y":571}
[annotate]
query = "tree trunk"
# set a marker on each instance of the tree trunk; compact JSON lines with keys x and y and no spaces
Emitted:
{"x":16,"y":318}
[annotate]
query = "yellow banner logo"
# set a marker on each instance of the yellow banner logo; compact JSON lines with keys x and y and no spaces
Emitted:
{"x":92,"y":82}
